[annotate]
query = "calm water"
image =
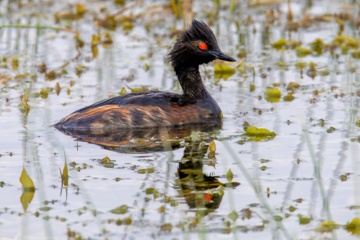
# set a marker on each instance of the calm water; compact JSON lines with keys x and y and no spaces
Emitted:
{"x":287,"y":187}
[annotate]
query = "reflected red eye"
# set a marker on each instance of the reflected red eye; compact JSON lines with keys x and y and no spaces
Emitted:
{"x":208,"y":197}
{"x":203,"y":46}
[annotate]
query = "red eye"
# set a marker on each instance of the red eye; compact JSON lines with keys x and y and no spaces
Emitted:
{"x":203,"y":46}
{"x":208,"y":197}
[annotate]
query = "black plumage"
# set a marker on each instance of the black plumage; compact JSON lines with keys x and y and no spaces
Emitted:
{"x":197,"y":45}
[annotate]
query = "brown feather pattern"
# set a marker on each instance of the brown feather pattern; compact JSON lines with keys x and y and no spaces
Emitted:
{"x":134,"y":116}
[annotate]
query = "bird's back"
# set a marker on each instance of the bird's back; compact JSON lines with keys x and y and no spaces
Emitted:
{"x":142,"y":110}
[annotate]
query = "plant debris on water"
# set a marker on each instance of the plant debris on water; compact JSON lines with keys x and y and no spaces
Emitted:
{"x":282,"y":165}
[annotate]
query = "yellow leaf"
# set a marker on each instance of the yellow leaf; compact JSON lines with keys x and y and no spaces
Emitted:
{"x":123,"y":91}
{"x":353,"y":226}
{"x":254,"y":131}
{"x":259,"y":134}
{"x":301,"y":65}
{"x":26,"y":181}
{"x":80,"y":10}
{"x":303,"y":52}
{"x":15,"y":63}
{"x":94,"y":40}
{"x":44,"y":93}
{"x":95,"y":51}
{"x":65,"y":175}
{"x":212,"y":146}
{"x":57,"y":88}
{"x":24,"y":107}
{"x":28,"y":189}
{"x":272,"y":95}
{"x":229,"y":175}
{"x":278,"y":45}
{"x":292,"y":85}
{"x":26,"y":198}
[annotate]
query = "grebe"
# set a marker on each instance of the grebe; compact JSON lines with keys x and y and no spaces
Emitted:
{"x":196,"y":45}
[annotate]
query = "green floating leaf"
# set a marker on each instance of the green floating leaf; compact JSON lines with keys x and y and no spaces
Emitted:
{"x":300,"y":65}
{"x":52,"y":75}
{"x":45,"y":209}
{"x":347,"y":41}
{"x":167,"y":227}
{"x":356,"y":54}
{"x":143,"y":88}
{"x":15,"y":63}
{"x":80,"y":10}
{"x":259,"y":134}
{"x":344,"y":49}
{"x":233,"y":215}
{"x":24,"y":107}
{"x":327,"y":226}
{"x":324,"y":72}
{"x":279,"y":44}
{"x":358,"y":123}
{"x":317,"y":46}
{"x":292,"y":208}
{"x":123,"y":91}
{"x":252,"y":87}
{"x":109,"y":23}
{"x":44,"y":93}
{"x":146,"y":67}
{"x":65,"y":175}
{"x":127,"y":26}
{"x":80,"y":69}
{"x":127,"y":221}
{"x":272,"y":95}
{"x":292,"y":85}
{"x":106,"y":162}
{"x":223,"y":71}
{"x":289,"y":98}
{"x":282,"y":65}
{"x":353,"y":226}
{"x":303,"y":52}
{"x":330,"y":130}
{"x":120,"y":210}
{"x":229,"y":175}
{"x":304,"y":220}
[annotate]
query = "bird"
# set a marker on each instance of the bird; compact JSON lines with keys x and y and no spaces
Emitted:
{"x":148,"y":109}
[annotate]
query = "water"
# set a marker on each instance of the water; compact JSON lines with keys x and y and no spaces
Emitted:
{"x":303,"y":178}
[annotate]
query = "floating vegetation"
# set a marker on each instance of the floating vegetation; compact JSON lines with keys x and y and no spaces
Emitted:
{"x":120,"y":210}
{"x":272,"y":95}
{"x":303,"y":52}
{"x":258,"y":134}
{"x":106,"y":162}
{"x":28,"y":189}
{"x":353,"y":226}
{"x":189,"y":184}
{"x":292,"y":86}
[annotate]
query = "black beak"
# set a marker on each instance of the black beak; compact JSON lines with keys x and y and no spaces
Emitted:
{"x":222,"y":56}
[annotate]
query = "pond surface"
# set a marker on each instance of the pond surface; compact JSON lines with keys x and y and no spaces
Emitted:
{"x":296,"y":78}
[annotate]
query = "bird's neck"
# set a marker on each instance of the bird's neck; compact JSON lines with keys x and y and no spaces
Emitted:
{"x":191,"y":83}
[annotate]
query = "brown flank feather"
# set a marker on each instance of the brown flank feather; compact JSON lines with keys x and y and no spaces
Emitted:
{"x":114,"y":116}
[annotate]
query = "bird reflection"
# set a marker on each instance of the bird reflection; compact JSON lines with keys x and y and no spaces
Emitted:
{"x":142,"y":140}
{"x":200,"y":190}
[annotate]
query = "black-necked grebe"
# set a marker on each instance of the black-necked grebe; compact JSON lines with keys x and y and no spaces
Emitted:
{"x":197,"y":45}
